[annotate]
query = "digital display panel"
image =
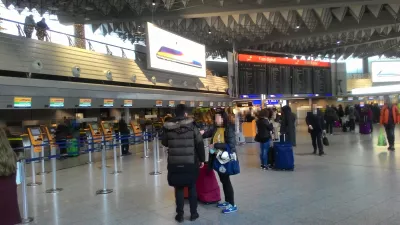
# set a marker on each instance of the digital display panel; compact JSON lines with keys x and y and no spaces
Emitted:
{"x":85,"y":102}
{"x":173,"y":53}
{"x":56,"y":102}
{"x":22,"y":102}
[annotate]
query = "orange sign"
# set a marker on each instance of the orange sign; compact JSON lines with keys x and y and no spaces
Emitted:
{"x":159,"y":103}
{"x":183,"y":102}
{"x":281,"y":61}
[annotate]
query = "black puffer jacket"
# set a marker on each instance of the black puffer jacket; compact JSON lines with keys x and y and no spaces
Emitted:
{"x":185,"y":151}
{"x":264,"y":128}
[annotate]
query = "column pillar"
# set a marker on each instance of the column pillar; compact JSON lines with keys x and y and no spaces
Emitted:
{"x":127,"y":115}
{"x":79,"y":32}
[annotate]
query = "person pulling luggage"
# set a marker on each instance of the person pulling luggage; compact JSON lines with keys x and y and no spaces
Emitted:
{"x":185,"y":156}
{"x":315,"y":123}
{"x":263,"y":136}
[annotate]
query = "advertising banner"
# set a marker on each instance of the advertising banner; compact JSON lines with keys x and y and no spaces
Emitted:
{"x":173,"y":53}
{"x":385,"y":71}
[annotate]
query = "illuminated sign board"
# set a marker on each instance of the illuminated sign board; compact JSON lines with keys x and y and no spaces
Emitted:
{"x":128,"y":103}
{"x":108,"y":103}
{"x":22,"y":102}
{"x":85,"y":102}
{"x":56,"y":102}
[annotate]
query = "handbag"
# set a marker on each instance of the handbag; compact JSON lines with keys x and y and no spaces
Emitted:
{"x":325,"y":141}
{"x":381,"y":138}
{"x":230,"y":167}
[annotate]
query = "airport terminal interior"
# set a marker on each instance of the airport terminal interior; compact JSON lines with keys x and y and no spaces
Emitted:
{"x":295,"y":103}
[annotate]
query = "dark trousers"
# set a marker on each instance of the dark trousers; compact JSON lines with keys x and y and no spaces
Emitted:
{"x":329,"y":126}
{"x":228,"y":189}
{"x":352,"y":124}
{"x":316,"y":138}
{"x":180,"y":199}
{"x":124,"y":144}
{"x":390,"y":134}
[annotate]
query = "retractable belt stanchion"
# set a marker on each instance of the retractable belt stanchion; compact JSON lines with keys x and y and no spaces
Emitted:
{"x":156,"y":155}
{"x":120,"y":145}
{"x":90,"y":151}
{"x":25,"y":215}
{"x":43,"y":172}
{"x":104,"y":170}
{"x":116,"y":171}
{"x":145,"y":144}
{"x":53,"y":159}
{"x":33,"y":170}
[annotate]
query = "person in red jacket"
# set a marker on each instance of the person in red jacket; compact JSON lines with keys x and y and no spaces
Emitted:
{"x":389,"y":119}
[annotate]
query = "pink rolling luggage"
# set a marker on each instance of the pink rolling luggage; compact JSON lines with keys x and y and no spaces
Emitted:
{"x":207,"y":186}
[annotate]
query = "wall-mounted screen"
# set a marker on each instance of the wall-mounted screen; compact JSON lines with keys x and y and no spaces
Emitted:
{"x":22,"y":102}
{"x":385,"y":71}
{"x":339,"y":99}
{"x":173,"y":53}
{"x":350,"y":99}
{"x":108,"y":103}
{"x":128,"y":103}
{"x":56,"y":102}
{"x":171,"y":103}
{"x":35,"y":131}
{"x":85,"y":102}
{"x":192,"y":104}
{"x":159,"y":103}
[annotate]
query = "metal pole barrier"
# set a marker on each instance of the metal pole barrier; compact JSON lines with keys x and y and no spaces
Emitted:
{"x":104,"y":191}
{"x":25,"y":215}
{"x":116,"y":171}
{"x":54,"y":171}
{"x":33,"y":170}
{"x":145,"y":145}
{"x":120,"y":145}
{"x":158,"y":148}
{"x":43,"y":172}
{"x":90,"y":152}
{"x":156,"y":154}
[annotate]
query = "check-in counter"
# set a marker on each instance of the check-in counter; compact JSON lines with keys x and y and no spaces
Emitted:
{"x":249,"y":130}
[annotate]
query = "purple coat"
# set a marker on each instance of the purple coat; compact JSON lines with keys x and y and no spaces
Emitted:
{"x":9,"y":211}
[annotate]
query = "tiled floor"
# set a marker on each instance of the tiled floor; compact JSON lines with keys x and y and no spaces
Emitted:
{"x":355,"y":183}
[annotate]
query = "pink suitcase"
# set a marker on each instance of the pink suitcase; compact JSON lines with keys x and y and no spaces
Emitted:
{"x":207,"y":186}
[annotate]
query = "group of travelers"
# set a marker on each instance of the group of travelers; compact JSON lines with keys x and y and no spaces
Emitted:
{"x":186,"y":155}
{"x":41,"y":28}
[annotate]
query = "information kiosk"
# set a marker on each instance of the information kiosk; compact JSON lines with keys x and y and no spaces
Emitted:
{"x":108,"y":130}
{"x":94,"y":136}
{"x":36,"y":140}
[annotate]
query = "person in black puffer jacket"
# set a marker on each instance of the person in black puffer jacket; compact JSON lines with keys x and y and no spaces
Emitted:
{"x":185,"y":156}
{"x":125,"y":132}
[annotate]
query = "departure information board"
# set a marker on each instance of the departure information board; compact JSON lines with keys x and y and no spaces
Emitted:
{"x":322,"y":81}
{"x":279,"y":80}
{"x":302,"y":80}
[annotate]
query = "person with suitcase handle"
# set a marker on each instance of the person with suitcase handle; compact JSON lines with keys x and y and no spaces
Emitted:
{"x":263,"y":136}
{"x":315,"y":123}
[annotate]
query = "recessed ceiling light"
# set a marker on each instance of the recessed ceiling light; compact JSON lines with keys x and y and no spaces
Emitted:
{"x":338,"y":42}
{"x":154,"y":3}
{"x":297,"y":27}
{"x":209,"y":31}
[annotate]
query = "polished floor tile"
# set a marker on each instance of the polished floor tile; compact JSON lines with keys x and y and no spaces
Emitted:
{"x":357,"y":182}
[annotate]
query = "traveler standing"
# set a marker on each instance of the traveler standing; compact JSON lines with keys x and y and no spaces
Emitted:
{"x":288,"y":125}
{"x":352,"y":118}
{"x":185,"y":155}
{"x":315,"y":123}
{"x":125,"y":132}
{"x":264,"y":130}
{"x":389,"y":116}
{"x":61,"y":134}
{"x":341,"y":115}
{"x":9,"y":211}
{"x":330,"y":117}
{"x":29,"y":26}
{"x":223,"y":134}
{"x":41,"y":30}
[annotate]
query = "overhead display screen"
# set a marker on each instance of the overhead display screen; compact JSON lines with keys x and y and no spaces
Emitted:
{"x":56,"y":102}
{"x":279,"y":80}
{"x":85,"y":102}
{"x":302,"y":80}
{"x":22,"y":102}
{"x":385,"y":71}
{"x":322,"y":81}
{"x":173,"y":53}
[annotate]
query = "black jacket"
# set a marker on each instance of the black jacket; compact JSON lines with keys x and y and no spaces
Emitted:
{"x":123,"y":127}
{"x":264,"y":128}
{"x":316,"y":121}
{"x":229,"y":137}
{"x":185,"y":151}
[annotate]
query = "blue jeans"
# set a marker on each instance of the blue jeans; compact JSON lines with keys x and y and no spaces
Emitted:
{"x":264,"y":147}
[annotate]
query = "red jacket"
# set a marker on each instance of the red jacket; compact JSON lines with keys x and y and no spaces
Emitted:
{"x":385,"y":114}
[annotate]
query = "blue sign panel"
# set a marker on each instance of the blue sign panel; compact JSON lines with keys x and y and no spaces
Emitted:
{"x":273,"y":102}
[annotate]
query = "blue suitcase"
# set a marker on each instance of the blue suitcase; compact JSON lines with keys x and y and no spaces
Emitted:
{"x":284,"y":159}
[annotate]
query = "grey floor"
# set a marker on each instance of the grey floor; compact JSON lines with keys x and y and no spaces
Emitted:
{"x":355,"y":183}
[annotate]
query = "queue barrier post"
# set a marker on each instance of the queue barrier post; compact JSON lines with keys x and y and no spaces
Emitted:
{"x":33,"y":183}
{"x":43,"y":170}
{"x":116,"y":171}
{"x":55,"y":189}
{"x":156,"y":149}
{"x":145,"y":145}
{"x":90,"y":151}
{"x":120,"y":145}
{"x":104,"y":190}
{"x":25,"y":214}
